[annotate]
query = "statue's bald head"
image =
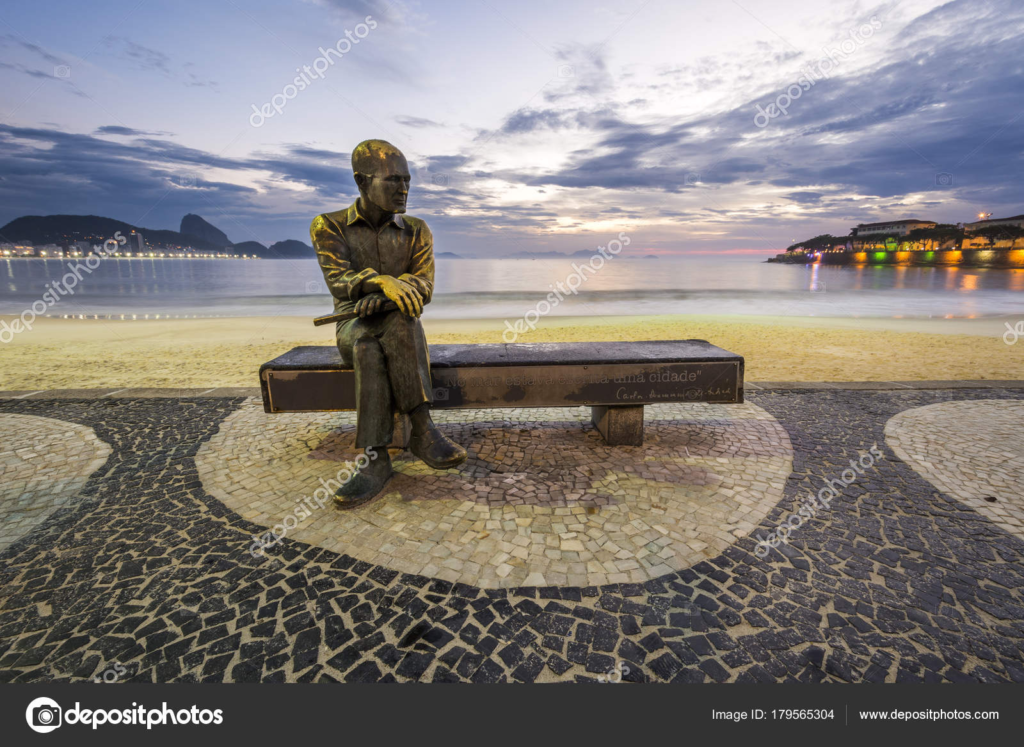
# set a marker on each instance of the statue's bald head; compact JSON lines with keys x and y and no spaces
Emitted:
{"x":371,"y":156}
{"x":382,"y":175}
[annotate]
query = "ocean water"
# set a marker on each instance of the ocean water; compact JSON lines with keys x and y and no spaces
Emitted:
{"x":509,"y":288}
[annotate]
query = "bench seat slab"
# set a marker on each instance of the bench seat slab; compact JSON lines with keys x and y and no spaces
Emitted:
{"x":309,"y":379}
{"x":616,"y":379}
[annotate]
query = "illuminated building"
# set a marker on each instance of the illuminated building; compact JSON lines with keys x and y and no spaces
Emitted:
{"x":898,"y":227}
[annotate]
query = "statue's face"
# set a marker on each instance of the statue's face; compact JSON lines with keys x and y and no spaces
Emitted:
{"x":388,"y":187}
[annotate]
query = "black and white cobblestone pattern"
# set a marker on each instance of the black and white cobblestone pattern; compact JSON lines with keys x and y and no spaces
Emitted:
{"x":896,"y":582}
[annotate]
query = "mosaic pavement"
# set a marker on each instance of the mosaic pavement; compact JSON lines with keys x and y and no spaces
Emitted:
{"x":43,"y":463}
{"x":971,"y":450}
{"x":542,"y":501}
{"x":901,"y":579}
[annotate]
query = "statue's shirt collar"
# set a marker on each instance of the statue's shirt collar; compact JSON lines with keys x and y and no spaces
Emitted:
{"x":354,"y":215}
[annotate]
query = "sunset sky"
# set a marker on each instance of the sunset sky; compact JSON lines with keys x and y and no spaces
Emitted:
{"x":546,"y":126}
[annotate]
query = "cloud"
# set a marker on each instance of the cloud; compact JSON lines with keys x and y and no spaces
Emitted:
{"x":395,"y":14}
{"x":12,"y":40}
{"x":352,"y":9}
{"x":124,"y":131}
{"x":59,"y":70}
{"x":153,"y":60}
{"x":445,"y":164}
{"x":805,"y":198}
{"x":528,"y":120}
{"x":144,"y":57}
{"x":582,"y":73}
{"x":31,"y":72}
{"x":416,"y":122}
{"x":195,"y":81}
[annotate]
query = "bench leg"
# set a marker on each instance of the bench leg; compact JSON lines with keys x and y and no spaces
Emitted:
{"x":402,"y":432}
{"x":620,"y":425}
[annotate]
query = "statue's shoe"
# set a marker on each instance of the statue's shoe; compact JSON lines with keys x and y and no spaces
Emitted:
{"x":437,"y":450}
{"x":366,"y":484}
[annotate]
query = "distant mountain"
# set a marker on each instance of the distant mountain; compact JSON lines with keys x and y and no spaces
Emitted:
{"x":194,"y":225}
{"x":290,"y":249}
{"x":651,"y":256}
{"x":449,"y":255}
{"x":64,"y":229}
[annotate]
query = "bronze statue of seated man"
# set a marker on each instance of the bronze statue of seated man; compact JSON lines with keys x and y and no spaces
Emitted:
{"x":371,"y":253}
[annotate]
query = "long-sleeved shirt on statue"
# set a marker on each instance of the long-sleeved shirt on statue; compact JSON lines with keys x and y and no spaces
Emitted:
{"x":350,"y":251}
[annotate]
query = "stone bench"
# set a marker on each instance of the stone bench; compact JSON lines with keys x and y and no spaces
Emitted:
{"x":616,"y":379}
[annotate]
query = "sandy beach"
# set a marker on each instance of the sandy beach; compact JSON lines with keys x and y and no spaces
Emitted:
{"x":71,"y":353}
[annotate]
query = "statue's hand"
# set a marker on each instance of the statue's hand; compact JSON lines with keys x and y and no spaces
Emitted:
{"x":407,"y":298}
{"x":370,"y":304}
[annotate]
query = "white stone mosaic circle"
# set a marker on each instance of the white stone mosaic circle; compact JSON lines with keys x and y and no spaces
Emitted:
{"x":541,"y":501}
{"x":972,"y":451}
{"x":43,"y":463}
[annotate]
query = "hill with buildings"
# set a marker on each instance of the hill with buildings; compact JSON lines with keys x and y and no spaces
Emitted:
{"x":910,"y":234}
{"x":65,"y":230}
{"x":57,"y":235}
{"x":990,"y":242}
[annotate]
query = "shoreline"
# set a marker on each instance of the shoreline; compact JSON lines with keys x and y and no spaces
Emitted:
{"x":983,"y":326}
{"x":227,"y":351}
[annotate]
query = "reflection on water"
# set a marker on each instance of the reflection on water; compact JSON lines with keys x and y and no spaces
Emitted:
{"x":507,"y":288}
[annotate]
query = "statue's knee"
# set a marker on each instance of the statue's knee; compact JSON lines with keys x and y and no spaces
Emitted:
{"x":401,"y":325}
{"x":366,"y":351}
